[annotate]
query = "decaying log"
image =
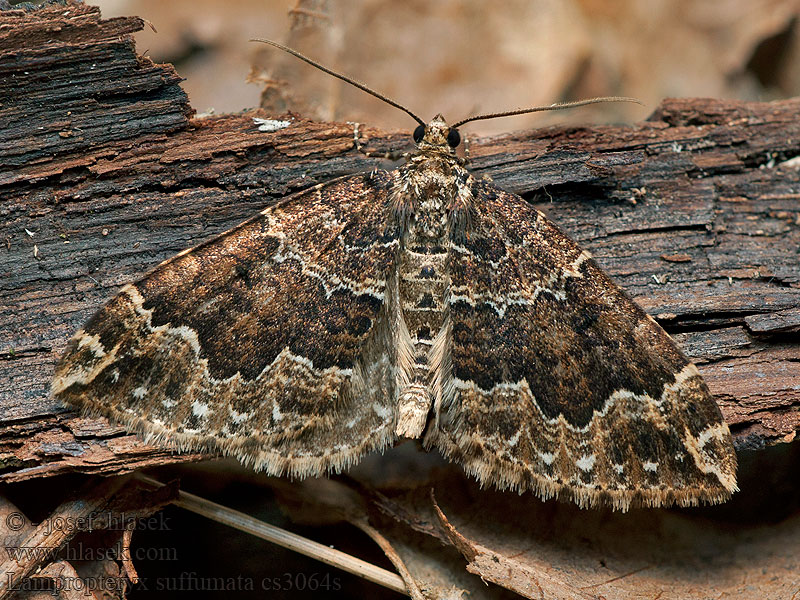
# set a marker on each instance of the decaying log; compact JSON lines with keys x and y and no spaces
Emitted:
{"x":103,"y":174}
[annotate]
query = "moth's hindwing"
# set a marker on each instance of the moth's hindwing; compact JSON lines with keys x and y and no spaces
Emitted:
{"x":268,"y":343}
{"x":561,"y":383}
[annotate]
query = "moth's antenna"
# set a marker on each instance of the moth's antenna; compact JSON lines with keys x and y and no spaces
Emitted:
{"x":557,"y":106}
{"x":357,"y":84}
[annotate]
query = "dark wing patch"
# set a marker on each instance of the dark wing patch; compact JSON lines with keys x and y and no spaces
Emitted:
{"x":269,"y":342}
{"x":563,"y":384}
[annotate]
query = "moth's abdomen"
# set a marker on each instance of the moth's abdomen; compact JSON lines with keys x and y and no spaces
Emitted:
{"x":423,"y":285}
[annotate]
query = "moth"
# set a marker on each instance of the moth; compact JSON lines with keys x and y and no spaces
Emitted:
{"x":420,"y":302}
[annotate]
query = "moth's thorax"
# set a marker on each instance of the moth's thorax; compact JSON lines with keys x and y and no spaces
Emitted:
{"x":431,"y":189}
{"x":426,"y":192}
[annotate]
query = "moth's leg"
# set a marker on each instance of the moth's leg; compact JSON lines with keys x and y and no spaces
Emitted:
{"x":392,"y":155}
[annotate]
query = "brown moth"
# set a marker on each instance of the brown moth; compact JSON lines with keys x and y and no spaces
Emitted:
{"x":420,"y":303}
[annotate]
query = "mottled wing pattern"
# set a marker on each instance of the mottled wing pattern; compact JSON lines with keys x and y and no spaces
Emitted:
{"x":269,"y":342}
{"x":562,"y":384}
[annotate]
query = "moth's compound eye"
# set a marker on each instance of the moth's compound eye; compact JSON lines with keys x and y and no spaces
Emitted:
{"x":419,"y":133}
{"x":453,"y":138}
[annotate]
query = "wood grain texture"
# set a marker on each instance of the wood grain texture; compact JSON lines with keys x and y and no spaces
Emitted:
{"x":103,"y":175}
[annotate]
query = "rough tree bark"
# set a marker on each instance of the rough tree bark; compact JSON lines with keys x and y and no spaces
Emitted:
{"x":103,"y":174}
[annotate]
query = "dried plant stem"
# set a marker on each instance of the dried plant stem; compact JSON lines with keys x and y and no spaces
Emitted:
{"x":127,"y":563}
{"x":89,"y":500}
{"x":392,"y":555}
{"x":276,"y":535}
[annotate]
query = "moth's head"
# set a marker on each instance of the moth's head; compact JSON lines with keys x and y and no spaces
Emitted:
{"x":437,"y":135}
